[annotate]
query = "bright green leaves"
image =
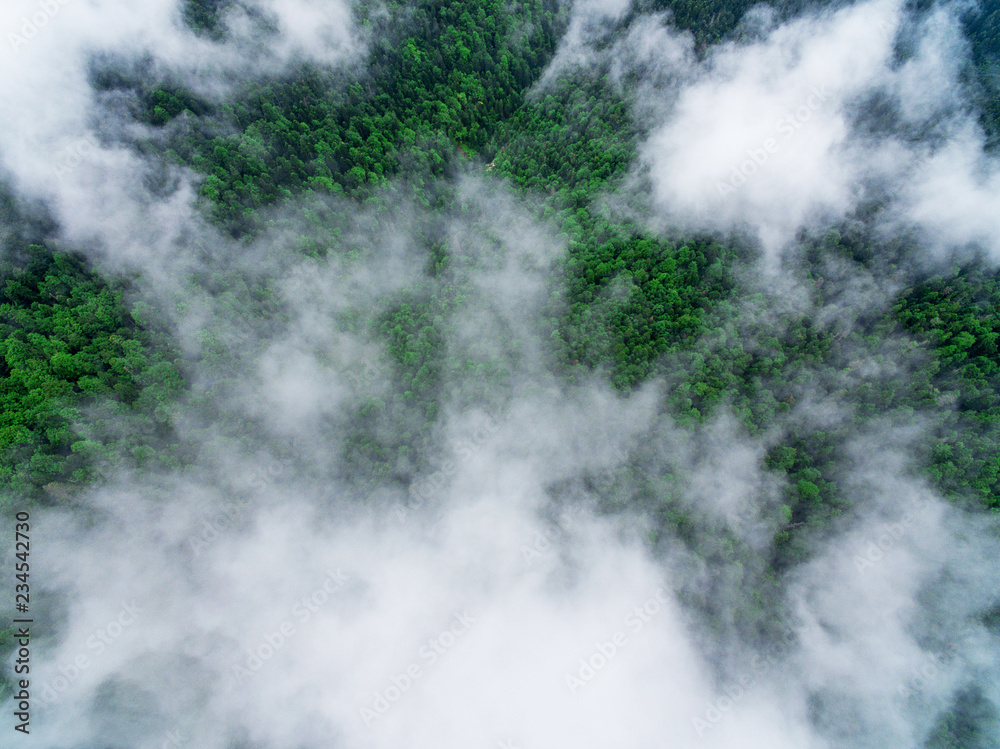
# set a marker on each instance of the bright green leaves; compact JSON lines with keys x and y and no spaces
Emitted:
{"x":436,"y":94}
{"x":67,"y":344}
{"x":959,"y":316}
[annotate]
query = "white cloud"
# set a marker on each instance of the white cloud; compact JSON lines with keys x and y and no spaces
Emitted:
{"x":781,"y":132}
{"x":63,"y":143}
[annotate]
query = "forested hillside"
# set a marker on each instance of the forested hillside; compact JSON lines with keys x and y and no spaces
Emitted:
{"x":94,"y":381}
{"x":445,"y":91}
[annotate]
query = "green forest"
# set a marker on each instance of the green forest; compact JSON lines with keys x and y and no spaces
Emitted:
{"x":79,"y":353}
{"x":93,"y":383}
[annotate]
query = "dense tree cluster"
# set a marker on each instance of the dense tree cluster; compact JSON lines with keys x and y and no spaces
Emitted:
{"x":959,"y":317}
{"x":88,"y":381}
{"x":983,"y":29}
{"x":438,"y":81}
{"x":446,"y":82}
{"x":67,"y":341}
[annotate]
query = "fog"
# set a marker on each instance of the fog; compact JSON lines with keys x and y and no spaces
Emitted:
{"x":804,"y":121}
{"x":505,"y":585}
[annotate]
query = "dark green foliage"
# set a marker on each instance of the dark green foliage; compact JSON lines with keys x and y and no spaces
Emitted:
{"x":162,"y":105}
{"x":712,"y":21}
{"x":629,"y":297}
{"x":708,"y":20}
{"x":573,"y":136}
{"x":633,"y":298}
{"x":446,"y":90}
{"x":970,"y":724}
{"x":959,"y":317}
{"x":431,"y":96}
{"x":982,"y":25}
{"x":204,"y":16}
{"x":66,"y":342}
{"x":445,"y":84}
